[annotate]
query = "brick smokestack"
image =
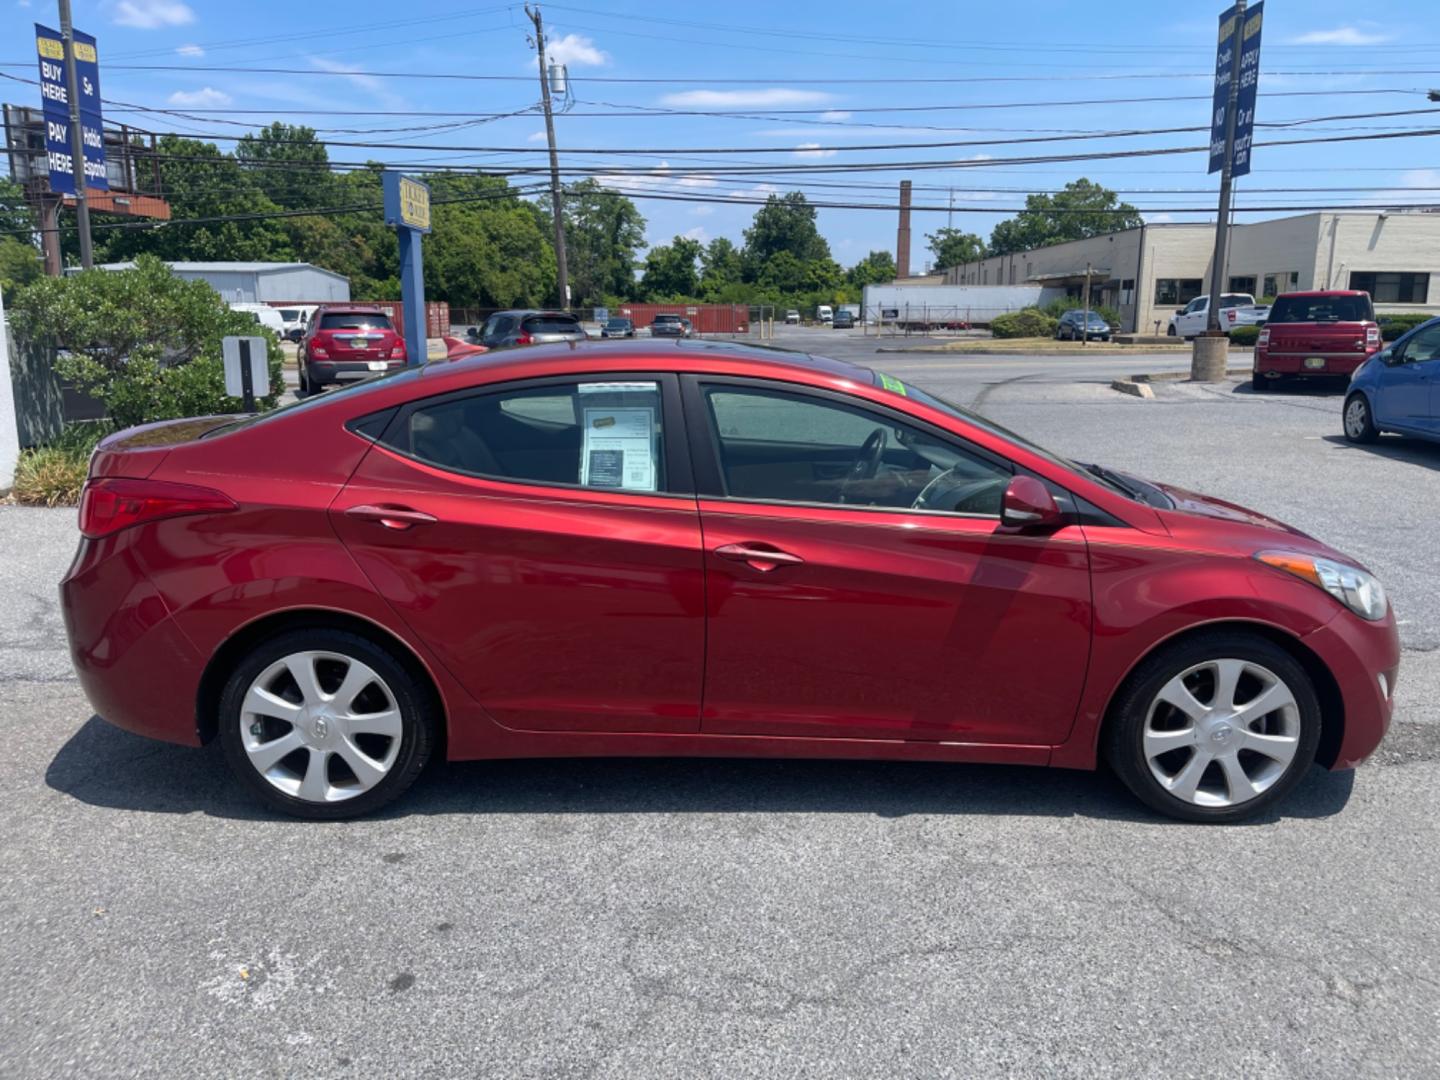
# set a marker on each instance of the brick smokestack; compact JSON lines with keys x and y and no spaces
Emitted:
{"x":902,"y":234}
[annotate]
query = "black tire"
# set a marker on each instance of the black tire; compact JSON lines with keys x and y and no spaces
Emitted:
{"x":1365,"y":430}
{"x":1124,"y":730}
{"x":1258,"y":383}
{"x":303,"y":390}
{"x":419,"y":721}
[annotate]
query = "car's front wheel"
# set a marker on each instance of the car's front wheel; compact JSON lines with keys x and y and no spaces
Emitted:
{"x":1359,"y":423}
{"x":1215,"y":728}
{"x":323,"y":723}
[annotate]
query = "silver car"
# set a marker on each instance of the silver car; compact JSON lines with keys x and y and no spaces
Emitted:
{"x":528,"y":327}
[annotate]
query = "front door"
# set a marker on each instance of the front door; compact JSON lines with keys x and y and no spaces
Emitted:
{"x":1409,"y":393}
{"x":543,"y":540}
{"x":860,"y":584}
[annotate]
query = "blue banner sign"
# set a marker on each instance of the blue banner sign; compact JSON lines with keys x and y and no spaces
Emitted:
{"x":1237,"y":56}
{"x":55,"y":99}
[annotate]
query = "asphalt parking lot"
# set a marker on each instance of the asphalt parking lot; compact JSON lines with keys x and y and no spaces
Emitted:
{"x":714,"y":918}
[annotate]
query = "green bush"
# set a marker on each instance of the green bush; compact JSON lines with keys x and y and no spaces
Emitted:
{"x":1394,"y":326}
{"x":1027,"y":322}
{"x":1244,"y":335}
{"x":142,"y":341}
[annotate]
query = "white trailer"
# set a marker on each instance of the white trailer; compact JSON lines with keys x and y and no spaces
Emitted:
{"x":952,"y":307}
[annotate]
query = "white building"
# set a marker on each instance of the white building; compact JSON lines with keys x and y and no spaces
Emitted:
{"x":1149,"y":272}
{"x":258,"y":282}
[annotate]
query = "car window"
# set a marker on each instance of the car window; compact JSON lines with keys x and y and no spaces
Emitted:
{"x":355,"y":320}
{"x":1235,"y":300}
{"x":1197,"y":304}
{"x":587,"y":434}
{"x":1423,"y":346}
{"x":551,"y":324}
{"x":1321,"y":309}
{"x":778,"y":445}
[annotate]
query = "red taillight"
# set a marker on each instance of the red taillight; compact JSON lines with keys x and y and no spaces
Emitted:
{"x":1264,"y":338}
{"x":109,"y":505}
{"x":397,"y":351}
{"x":1231,"y":314}
{"x":317,"y":351}
{"x":1372,"y":338}
{"x":524,"y":339}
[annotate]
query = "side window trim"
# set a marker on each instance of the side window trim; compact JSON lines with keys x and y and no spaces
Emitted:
{"x":704,"y":445}
{"x":680,"y":482}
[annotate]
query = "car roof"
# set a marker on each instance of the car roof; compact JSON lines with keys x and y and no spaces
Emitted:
{"x":1325,"y":292}
{"x":527,"y":312}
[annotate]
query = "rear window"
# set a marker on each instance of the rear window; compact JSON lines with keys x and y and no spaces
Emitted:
{"x":355,"y":320}
{"x":618,"y":324}
{"x":1235,"y":301}
{"x":289,"y":314}
{"x":667,"y":318}
{"x":1321,"y":309}
{"x":552,"y":324}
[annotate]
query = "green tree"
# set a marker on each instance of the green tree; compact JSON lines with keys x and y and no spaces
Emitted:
{"x":785,"y":223}
{"x":952,"y":247}
{"x":289,"y":164}
{"x":603,"y":233}
{"x":671,"y":271}
{"x":720,"y":269}
{"x":873,"y":269}
{"x":20,"y":260}
{"x":1082,"y":209}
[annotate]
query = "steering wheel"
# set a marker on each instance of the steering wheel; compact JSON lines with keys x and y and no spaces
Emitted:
{"x":867,"y":460}
{"x":957,"y":494}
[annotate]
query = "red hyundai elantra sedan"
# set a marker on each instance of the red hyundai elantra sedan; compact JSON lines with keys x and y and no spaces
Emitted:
{"x":689,"y":548}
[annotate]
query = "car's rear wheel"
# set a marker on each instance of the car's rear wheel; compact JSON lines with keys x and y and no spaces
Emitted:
{"x":1258,"y":382}
{"x":1216,"y":728}
{"x":324,"y":723}
{"x":1359,"y":423}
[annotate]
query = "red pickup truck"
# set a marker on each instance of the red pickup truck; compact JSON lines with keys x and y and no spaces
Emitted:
{"x":1324,"y":334}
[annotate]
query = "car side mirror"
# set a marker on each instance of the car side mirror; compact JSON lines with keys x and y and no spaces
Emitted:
{"x":1028,"y":504}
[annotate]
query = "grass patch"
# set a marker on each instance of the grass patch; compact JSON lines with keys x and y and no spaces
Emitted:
{"x":53,"y":475}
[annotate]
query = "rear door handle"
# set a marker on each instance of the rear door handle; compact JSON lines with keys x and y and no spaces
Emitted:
{"x":758,"y":556}
{"x":392,"y":517}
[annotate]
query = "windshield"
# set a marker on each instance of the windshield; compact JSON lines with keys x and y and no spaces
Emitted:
{"x":1321,"y":309}
{"x":356,"y":320}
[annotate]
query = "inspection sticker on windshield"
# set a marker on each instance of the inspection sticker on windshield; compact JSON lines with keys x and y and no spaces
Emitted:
{"x":889,"y":382}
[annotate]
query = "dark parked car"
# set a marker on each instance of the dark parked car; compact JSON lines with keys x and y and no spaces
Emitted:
{"x":642,"y":548}
{"x":507,"y":328}
{"x":844,"y":320}
{"x":1321,"y":334}
{"x":619,"y":328}
{"x":669,"y":326}
{"x":1078,"y":324}
{"x":1398,"y":389}
{"x":344,"y":342}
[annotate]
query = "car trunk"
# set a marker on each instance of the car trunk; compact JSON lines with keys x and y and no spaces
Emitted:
{"x":349,"y":340}
{"x":137,"y":452}
{"x":1336,"y":348}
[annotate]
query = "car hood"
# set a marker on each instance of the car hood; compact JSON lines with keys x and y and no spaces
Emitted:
{"x":1240,"y":523}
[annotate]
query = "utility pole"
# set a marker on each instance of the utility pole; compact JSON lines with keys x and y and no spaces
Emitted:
{"x":77,"y":137}
{"x":556,"y":205}
{"x":1207,"y":362}
{"x":1085,"y":328}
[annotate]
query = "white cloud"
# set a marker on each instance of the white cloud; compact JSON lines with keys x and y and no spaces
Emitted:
{"x":536,"y":136}
{"x":23,"y":3}
{"x":745,"y":99}
{"x":1411,"y":178}
{"x":190,"y":50}
{"x":152,"y":14}
{"x":759,"y":191}
{"x":702,"y":209}
{"x":1158,"y":219}
{"x":351,"y":71}
{"x":1341,"y":35}
{"x":835,"y":115}
{"x":812,"y":150}
{"x":194,"y":99}
{"x":697,"y":233}
{"x":818,"y":131}
{"x":575,"y":49}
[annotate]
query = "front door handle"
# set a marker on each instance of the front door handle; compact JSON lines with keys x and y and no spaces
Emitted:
{"x":758,"y":556}
{"x":392,"y":517}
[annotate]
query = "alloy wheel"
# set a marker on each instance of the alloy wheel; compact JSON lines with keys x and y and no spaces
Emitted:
{"x":1221,"y":733}
{"x":1355,"y":418}
{"x":320,"y":726}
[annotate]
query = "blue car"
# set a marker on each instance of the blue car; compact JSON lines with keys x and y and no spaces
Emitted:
{"x":1398,"y":389}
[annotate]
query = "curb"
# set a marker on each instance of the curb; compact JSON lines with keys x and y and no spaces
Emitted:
{"x":1134,"y":388}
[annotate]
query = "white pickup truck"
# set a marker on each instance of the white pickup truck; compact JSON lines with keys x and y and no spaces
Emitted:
{"x":1236,"y":309}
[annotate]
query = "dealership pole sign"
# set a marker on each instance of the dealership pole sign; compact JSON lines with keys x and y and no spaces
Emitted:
{"x":407,"y":210}
{"x":55,"y":102}
{"x":1237,"y":57}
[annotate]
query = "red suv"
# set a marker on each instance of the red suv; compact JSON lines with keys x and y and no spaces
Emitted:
{"x":1324,"y":334}
{"x":346,"y":342}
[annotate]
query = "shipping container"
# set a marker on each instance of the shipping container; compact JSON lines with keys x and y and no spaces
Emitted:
{"x":705,"y":318}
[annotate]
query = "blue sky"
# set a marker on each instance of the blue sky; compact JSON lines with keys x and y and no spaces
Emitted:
{"x":792,"y":76}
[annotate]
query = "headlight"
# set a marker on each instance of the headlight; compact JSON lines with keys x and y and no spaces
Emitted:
{"x":1353,"y":587}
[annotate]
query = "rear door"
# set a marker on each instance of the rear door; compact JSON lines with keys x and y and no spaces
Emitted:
{"x":860,"y":584}
{"x":542,"y":539}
